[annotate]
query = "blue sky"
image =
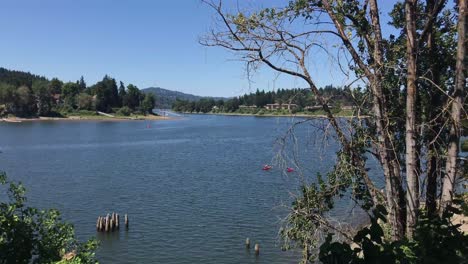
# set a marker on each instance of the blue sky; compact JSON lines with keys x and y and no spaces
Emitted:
{"x":144,"y":42}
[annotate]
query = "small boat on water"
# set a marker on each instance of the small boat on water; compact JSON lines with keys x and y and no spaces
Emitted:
{"x":289,"y":169}
{"x":266,"y":167}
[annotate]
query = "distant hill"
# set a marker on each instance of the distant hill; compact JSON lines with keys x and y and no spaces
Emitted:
{"x":165,"y":98}
{"x":18,"y":78}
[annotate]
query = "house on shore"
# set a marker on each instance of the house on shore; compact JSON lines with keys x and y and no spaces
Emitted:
{"x":277,"y":106}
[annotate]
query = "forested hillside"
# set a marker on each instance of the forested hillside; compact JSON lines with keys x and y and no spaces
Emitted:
{"x":27,"y":95}
{"x":301,"y":98}
{"x":166,"y":98}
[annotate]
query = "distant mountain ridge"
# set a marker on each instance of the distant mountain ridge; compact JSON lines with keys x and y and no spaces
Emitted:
{"x":165,"y":98}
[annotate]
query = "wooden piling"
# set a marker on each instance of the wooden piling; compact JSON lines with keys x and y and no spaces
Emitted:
{"x":107,"y":222}
{"x":112,"y":227}
{"x":257,"y":249}
{"x":117,"y":221}
{"x":110,"y":222}
{"x":247,"y":242}
{"x":101,"y":223}
{"x":97,"y":223}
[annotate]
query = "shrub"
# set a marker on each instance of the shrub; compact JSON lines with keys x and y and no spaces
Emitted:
{"x":30,"y":235}
{"x":124,"y":111}
{"x":436,"y":240}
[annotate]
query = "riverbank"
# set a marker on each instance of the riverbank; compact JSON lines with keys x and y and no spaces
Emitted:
{"x":342,"y":114}
{"x":85,"y":118}
{"x":282,"y":115}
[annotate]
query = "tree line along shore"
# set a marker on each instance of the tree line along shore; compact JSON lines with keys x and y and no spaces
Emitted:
{"x":25,"y":96}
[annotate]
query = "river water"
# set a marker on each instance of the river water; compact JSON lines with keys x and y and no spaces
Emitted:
{"x":193,"y":187}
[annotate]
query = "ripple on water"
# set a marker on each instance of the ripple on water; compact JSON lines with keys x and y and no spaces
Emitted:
{"x":193,"y":188}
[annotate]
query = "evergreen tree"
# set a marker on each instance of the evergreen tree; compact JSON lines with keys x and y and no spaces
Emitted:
{"x":133,"y":97}
{"x":42,"y":96}
{"x":55,"y":86}
{"x":147,"y":105}
{"x":82,"y":84}
{"x":122,"y":93}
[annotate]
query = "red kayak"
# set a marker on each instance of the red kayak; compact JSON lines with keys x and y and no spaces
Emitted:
{"x":290,"y":170}
{"x":266,"y":167}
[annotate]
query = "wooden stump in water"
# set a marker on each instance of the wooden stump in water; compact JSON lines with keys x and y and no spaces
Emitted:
{"x":97,"y":223}
{"x":110,"y":222}
{"x":101,"y":223}
{"x":107,"y":223}
{"x":117,"y":221}
{"x":111,"y":228}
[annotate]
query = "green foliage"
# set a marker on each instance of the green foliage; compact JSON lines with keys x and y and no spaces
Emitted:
{"x":43,"y":97}
{"x":23,"y":101}
{"x":18,"y":78}
{"x":29,"y":235}
{"x":55,"y":86}
{"x":106,"y":94}
{"x":122,"y":93}
{"x":300,"y":97}
{"x":24,"y":94}
{"x":82,"y":113}
{"x":147,"y":105}
{"x":436,"y":240}
{"x":464,"y":145}
{"x":85,"y":101}
{"x":70,"y":90}
{"x":133,"y":97}
{"x":124,"y":111}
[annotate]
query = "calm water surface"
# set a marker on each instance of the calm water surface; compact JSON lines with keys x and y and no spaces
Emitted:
{"x":193,"y":188}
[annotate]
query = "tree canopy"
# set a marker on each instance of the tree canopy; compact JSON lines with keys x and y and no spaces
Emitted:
{"x":408,"y":115}
{"x":24,"y":94}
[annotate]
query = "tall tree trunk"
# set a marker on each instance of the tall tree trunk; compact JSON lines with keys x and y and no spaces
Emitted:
{"x":393,"y":188}
{"x":433,"y":160}
{"x":412,"y":179}
{"x":448,"y":187}
{"x":393,"y":184}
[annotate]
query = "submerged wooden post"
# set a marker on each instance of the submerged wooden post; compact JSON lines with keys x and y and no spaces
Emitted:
{"x":107,"y":222}
{"x":257,"y":249}
{"x":97,"y":223}
{"x":247,"y":242}
{"x":101,"y":223}
{"x":117,"y":221}
{"x":112,"y":224}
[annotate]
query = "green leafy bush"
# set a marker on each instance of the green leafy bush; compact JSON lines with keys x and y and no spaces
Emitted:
{"x":30,"y":235}
{"x":464,"y":145}
{"x":436,"y":240}
{"x":124,"y":111}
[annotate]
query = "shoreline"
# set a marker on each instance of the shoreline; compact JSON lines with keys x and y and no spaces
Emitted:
{"x":280,"y":115}
{"x":84,"y":118}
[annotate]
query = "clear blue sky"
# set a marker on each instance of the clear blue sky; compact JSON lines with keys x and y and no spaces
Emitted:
{"x":144,"y":42}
